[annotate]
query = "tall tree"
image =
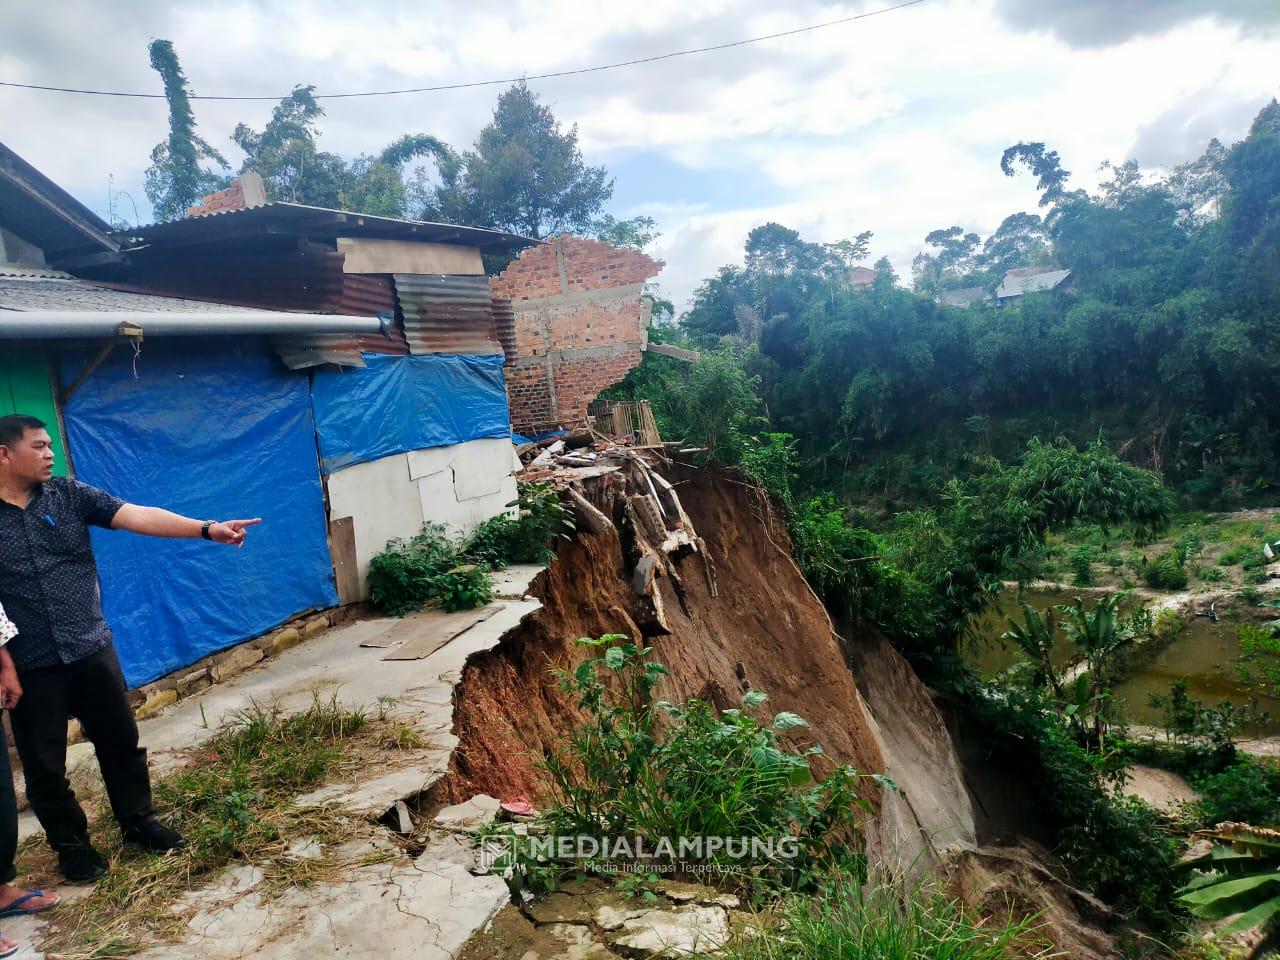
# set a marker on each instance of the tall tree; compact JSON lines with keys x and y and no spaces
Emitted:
{"x":951,"y":265}
{"x":524,"y":174}
{"x":293,"y":167}
{"x":176,"y":178}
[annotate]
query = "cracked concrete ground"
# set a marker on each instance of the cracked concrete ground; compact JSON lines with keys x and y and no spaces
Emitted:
{"x":426,"y":908}
{"x":421,"y":907}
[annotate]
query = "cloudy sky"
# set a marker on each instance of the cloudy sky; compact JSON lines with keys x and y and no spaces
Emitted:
{"x":893,"y":124}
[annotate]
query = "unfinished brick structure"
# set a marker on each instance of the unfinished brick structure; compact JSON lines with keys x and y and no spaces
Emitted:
{"x":580,"y":325}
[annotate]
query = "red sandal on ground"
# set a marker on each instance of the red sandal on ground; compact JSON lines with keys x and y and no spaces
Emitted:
{"x":519,"y":807}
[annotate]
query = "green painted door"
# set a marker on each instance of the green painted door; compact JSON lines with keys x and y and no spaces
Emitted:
{"x":26,"y":386}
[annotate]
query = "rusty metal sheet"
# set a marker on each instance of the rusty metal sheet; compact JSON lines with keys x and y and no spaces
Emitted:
{"x":443,"y":313}
{"x":504,"y":322}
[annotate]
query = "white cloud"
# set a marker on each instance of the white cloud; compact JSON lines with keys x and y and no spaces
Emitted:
{"x":893,"y":124}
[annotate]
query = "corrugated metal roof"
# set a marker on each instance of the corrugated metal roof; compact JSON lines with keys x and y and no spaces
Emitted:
{"x":44,"y":293}
{"x":20,"y":270}
{"x":62,"y":304}
{"x":504,"y":323}
{"x":447,"y":314}
{"x":318,"y":222}
{"x":281,"y":275}
{"x":1016,"y":286}
{"x":42,"y":213}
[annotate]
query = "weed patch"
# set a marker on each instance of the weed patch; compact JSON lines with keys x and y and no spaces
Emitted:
{"x":887,"y":920}
{"x":234,"y":803}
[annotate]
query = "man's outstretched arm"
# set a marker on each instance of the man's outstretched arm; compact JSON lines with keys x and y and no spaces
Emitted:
{"x":155,"y":522}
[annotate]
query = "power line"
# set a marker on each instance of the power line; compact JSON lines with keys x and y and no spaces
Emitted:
{"x":490,"y":83}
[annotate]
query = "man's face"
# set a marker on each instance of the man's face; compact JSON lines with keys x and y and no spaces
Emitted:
{"x":30,"y":459}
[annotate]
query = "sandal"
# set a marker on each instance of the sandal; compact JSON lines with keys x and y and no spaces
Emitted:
{"x":14,"y":909}
{"x":520,"y":807}
{"x":11,"y":951}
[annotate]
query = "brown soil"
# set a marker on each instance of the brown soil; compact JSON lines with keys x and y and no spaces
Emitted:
{"x":765,"y":628}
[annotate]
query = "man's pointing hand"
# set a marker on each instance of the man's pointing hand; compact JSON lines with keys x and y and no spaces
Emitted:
{"x":231,"y":531}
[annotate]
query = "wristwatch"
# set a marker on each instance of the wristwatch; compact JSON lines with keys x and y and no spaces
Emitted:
{"x":204,"y":528}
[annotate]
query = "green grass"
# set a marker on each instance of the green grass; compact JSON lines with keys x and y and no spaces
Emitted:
{"x":234,"y":803}
{"x":887,"y":920}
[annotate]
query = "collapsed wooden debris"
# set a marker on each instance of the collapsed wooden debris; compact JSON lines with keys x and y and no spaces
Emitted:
{"x":651,"y":507}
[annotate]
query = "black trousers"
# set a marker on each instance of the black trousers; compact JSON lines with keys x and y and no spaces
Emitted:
{"x":92,"y":690}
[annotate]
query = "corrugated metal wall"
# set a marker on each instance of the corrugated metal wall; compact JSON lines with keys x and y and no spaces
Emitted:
{"x":447,"y":314}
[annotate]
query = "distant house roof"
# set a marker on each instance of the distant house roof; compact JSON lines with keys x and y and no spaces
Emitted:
{"x":1020,"y":281}
{"x":42,"y":213}
{"x":963,"y":296}
{"x":861,"y":277}
{"x":300,"y":219}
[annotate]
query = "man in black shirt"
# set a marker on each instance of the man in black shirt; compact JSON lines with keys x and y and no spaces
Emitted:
{"x":65,"y":661}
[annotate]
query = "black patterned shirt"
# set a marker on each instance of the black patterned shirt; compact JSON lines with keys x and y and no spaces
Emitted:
{"x":48,"y":575}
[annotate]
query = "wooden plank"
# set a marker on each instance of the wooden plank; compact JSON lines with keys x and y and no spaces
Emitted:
{"x":342,"y":544}
{"x":425,"y":633}
{"x":370,"y":255}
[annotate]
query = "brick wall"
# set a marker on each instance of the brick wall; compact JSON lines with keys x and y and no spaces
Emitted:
{"x":580,"y":325}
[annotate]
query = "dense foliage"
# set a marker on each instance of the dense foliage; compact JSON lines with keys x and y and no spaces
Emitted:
{"x":1165,"y":337}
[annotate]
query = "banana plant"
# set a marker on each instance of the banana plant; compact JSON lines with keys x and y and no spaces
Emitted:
{"x":1239,"y":878}
{"x":1035,"y":636}
{"x":1099,"y":633}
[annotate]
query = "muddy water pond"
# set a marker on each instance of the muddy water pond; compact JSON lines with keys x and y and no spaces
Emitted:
{"x":1205,"y":652}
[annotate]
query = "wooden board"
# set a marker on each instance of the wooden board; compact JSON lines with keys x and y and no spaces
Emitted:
{"x":424,"y":633}
{"x":342,"y":543}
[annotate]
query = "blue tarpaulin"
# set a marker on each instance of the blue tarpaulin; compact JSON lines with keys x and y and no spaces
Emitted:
{"x":397,"y":404}
{"x":212,"y":431}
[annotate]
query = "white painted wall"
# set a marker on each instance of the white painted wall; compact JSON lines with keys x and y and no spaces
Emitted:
{"x":458,"y":486}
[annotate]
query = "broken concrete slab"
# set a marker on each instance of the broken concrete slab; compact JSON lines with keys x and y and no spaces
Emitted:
{"x":611,"y":917}
{"x":374,"y":797}
{"x":681,"y":931}
{"x":696,"y":893}
{"x":424,"y":909}
{"x":588,"y":517}
{"x":513,"y":582}
{"x":578,"y":943}
{"x":471,"y":814}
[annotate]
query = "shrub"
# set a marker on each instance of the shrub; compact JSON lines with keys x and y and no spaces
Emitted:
{"x":1187,"y":545}
{"x":1254,"y":560}
{"x":1082,"y":565}
{"x":657,"y":770}
{"x":405,"y":575}
{"x":1247,"y":790}
{"x":464,"y":588}
{"x":1167,"y":625}
{"x":1165,"y":573}
{"x":525,"y":537}
{"x":1235,"y":554}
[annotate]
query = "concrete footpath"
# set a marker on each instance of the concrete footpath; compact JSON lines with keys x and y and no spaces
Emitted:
{"x":389,"y":904}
